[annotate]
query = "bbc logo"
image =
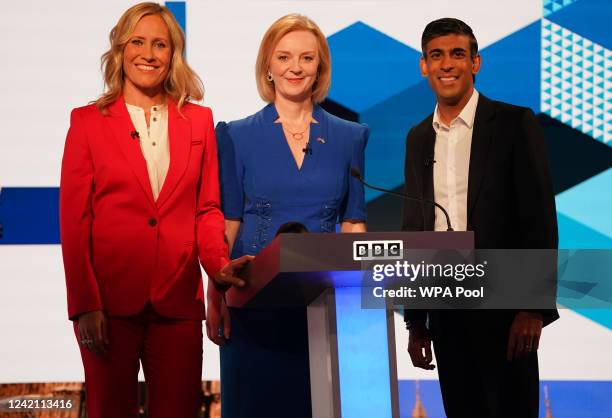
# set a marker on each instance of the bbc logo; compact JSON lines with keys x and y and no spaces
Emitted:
{"x":378,"y":250}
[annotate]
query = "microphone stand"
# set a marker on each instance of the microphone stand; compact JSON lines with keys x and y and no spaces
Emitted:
{"x":356,"y":174}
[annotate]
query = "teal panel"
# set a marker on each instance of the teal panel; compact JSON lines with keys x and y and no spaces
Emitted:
{"x":590,"y":203}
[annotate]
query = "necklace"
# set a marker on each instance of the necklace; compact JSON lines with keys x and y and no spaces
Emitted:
{"x":298,"y":136}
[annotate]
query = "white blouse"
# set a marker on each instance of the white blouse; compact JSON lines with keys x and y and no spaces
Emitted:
{"x":153,"y":142}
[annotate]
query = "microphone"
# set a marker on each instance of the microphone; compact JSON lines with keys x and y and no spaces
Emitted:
{"x":307,"y":150}
{"x":357,"y":174}
{"x":135,"y":135}
{"x":429,"y":161}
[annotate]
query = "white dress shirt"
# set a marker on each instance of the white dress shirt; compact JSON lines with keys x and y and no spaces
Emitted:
{"x":153,"y":142}
{"x":452,"y":165}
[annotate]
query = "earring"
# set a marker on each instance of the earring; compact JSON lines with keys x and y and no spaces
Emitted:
{"x":269,"y":76}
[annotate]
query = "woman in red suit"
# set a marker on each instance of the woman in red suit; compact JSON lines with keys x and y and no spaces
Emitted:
{"x":139,"y":209}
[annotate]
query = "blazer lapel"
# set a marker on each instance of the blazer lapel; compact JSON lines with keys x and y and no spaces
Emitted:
{"x":481,"y":141}
{"x":427,"y":154}
{"x":179,"y":136}
{"x":122,"y":128}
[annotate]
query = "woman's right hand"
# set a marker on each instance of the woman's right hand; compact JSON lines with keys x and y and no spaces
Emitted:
{"x":228,"y":275}
{"x":217,"y":319}
{"x":93,"y":332}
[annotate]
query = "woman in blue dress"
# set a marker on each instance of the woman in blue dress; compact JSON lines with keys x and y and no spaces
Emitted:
{"x":290,"y":161}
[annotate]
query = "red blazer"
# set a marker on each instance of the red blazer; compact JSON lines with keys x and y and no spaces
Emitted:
{"x":121,"y":248}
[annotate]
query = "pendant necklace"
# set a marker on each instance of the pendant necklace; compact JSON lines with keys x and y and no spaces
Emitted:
{"x":298,"y":136}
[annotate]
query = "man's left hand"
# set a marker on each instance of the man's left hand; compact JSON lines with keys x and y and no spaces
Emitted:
{"x":524,"y":335}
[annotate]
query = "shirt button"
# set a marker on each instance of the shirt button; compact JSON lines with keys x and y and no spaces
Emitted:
{"x":155,"y":109}
{"x":154,"y":119}
{"x":154,"y":143}
{"x":152,"y":222}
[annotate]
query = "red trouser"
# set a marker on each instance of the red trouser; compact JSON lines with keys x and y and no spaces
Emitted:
{"x":171,"y":355}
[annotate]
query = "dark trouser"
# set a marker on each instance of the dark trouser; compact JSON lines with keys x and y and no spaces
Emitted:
{"x":171,"y":355}
{"x":476,"y":379}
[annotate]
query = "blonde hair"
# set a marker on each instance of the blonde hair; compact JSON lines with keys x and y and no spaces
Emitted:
{"x":181,"y":83}
{"x":284,"y":25}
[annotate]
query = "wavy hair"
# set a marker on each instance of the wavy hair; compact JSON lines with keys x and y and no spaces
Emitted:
{"x":284,"y":25}
{"x":181,"y":83}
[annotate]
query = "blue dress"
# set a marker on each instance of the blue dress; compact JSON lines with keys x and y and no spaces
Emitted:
{"x":265,"y":365}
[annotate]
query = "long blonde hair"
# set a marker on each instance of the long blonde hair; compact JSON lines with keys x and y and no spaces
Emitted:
{"x":284,"y":25}
{"x":181,"y":83}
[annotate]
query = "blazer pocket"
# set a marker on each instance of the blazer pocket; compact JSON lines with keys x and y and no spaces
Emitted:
{"x":189,"y":243}
{"x":196,"y":142}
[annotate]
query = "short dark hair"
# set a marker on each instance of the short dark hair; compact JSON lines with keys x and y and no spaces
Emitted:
{"x":292,"y":228}
{"x":448,"y":26}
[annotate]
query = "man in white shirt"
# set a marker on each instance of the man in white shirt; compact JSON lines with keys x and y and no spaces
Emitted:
{"x":486,"y":163}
